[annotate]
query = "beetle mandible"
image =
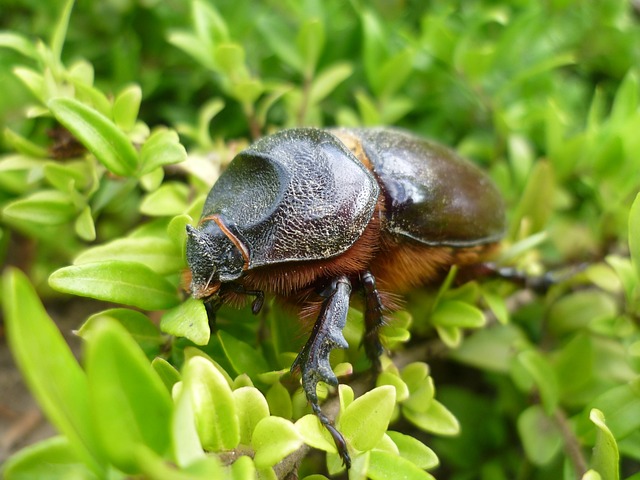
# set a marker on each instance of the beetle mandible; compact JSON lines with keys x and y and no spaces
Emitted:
{"x":309,"y":214}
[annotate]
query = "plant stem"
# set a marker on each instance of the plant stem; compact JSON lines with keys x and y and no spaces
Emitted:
{"x":571,"y":443}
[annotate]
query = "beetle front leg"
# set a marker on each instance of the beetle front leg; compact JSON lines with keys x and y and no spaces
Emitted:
{"x":373,"y":320}
{"x":212,"y":306}
{"x":313,"y":359}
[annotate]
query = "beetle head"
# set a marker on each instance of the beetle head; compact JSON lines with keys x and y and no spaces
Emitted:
{"x":213,"y":259}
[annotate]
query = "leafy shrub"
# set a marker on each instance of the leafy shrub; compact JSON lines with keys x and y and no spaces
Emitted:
{"x":543,"y":94}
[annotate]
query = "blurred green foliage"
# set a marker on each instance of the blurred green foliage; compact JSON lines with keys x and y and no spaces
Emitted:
{"x":118,"y":116}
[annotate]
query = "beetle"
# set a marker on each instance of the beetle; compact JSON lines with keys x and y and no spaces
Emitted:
{"x":310,"y":214}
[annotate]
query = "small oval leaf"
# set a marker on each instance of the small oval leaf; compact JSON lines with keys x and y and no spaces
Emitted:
{"x":96,"y":132}
{"x":273,"y":439}
{"x":129,"y":283}
{"x":188,"y":320}
{"x":366,"y":419}
{"x":213,"y":404}
{"x":252,"y":407}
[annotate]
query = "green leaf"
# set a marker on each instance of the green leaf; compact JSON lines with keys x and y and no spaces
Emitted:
{"x":414,"y":375}
{"x":247,"y":91}
{"x":436,"y":419}
{"x":450,"y":336}
{"x":346,"y":395}
{"x":625,"y":103}
{"x":279,"y":401}
{"x":90,"y":96}
{"x":453,"y":313}
{"x":393,"y":73}
{"x":624,"y":268}
{"x":374,"y":46}
{"x":151,"y":181}
{"x":60,"y":30}
{"x":213,"y":404}
{"x":45,"y":207}
{"x":156,"y":253}
{"x":251,"y":407}
{"x":577,"y":310}
{"x":273,"y":439}
{"x":368,"y":110}
{"x":280,"y":43}
{"x":81,"y":71}
{"x":210,"y":26}
{"x":497,"y":305}
{"x":19,"y":43}
{"x":96,"y":132}
{"x":126,"y":106}
{"x":167,"y":372}
{"x":177,"y":230}
{"x":390,"y":378}
{"x":315,"y":434}
{"x":188,"y":320}
{"x":421,"y":395}
{"x":621,"y":407}
{"x":394,"y":108}
{"x":243,"y":469}
{"x":230,"y":59}
{"x":168,"y":200}
{"x":544,"y":377}
{"x":634,"y":235}
{"x":385,"y":465}
{"x":33,"y":80}
{"x":161,"y":148}
{"x":193,"y":46}
{"x":243,"y":357}
{"x":593,"y":475}
{"x":156,"y":467}
{"x":84,"y":226}
{"x":140,"y":327}
{"x":129,"y":283}
{"x":49,"y":367}
{"x":21,"y":144}
{"x":190,"y":352}
{"x":365,"y":420}
{"x":540,"y":436}
{"x":130,"y":404}
{"x":414,"y":450}
{"x":327,"y":81}
{"x":310,"y":42}
{"x":53,"y":459}
{"x":606,"y":458}
{"x":536,"y":202}
{"x":490,"y":349}
{"x":187,"y":448}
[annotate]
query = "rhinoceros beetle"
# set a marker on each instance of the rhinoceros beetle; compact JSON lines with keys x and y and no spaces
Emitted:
{"x":309,"y":214}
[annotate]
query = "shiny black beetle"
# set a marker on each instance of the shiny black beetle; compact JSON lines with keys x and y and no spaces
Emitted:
{"x":308,"y":214}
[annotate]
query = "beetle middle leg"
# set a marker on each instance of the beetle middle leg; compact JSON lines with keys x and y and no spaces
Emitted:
{"x":373,"y":320}
{"x":539,"y":284}
{"x":313,"y":359}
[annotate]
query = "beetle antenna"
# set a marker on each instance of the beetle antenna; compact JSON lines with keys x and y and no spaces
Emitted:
{"x":213,"y":272}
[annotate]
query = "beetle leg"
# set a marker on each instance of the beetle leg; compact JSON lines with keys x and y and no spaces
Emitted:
{"x":373,"y":320}
{"x":313,"y":359}
{"x":539,"y":284}
{"x":257,"y":303}
{"x":211,"y":307}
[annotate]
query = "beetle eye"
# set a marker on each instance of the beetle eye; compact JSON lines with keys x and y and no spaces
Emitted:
{"x":233,"y":257}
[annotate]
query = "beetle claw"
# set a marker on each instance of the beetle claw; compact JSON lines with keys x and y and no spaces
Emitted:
{"x":313,"y":359}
